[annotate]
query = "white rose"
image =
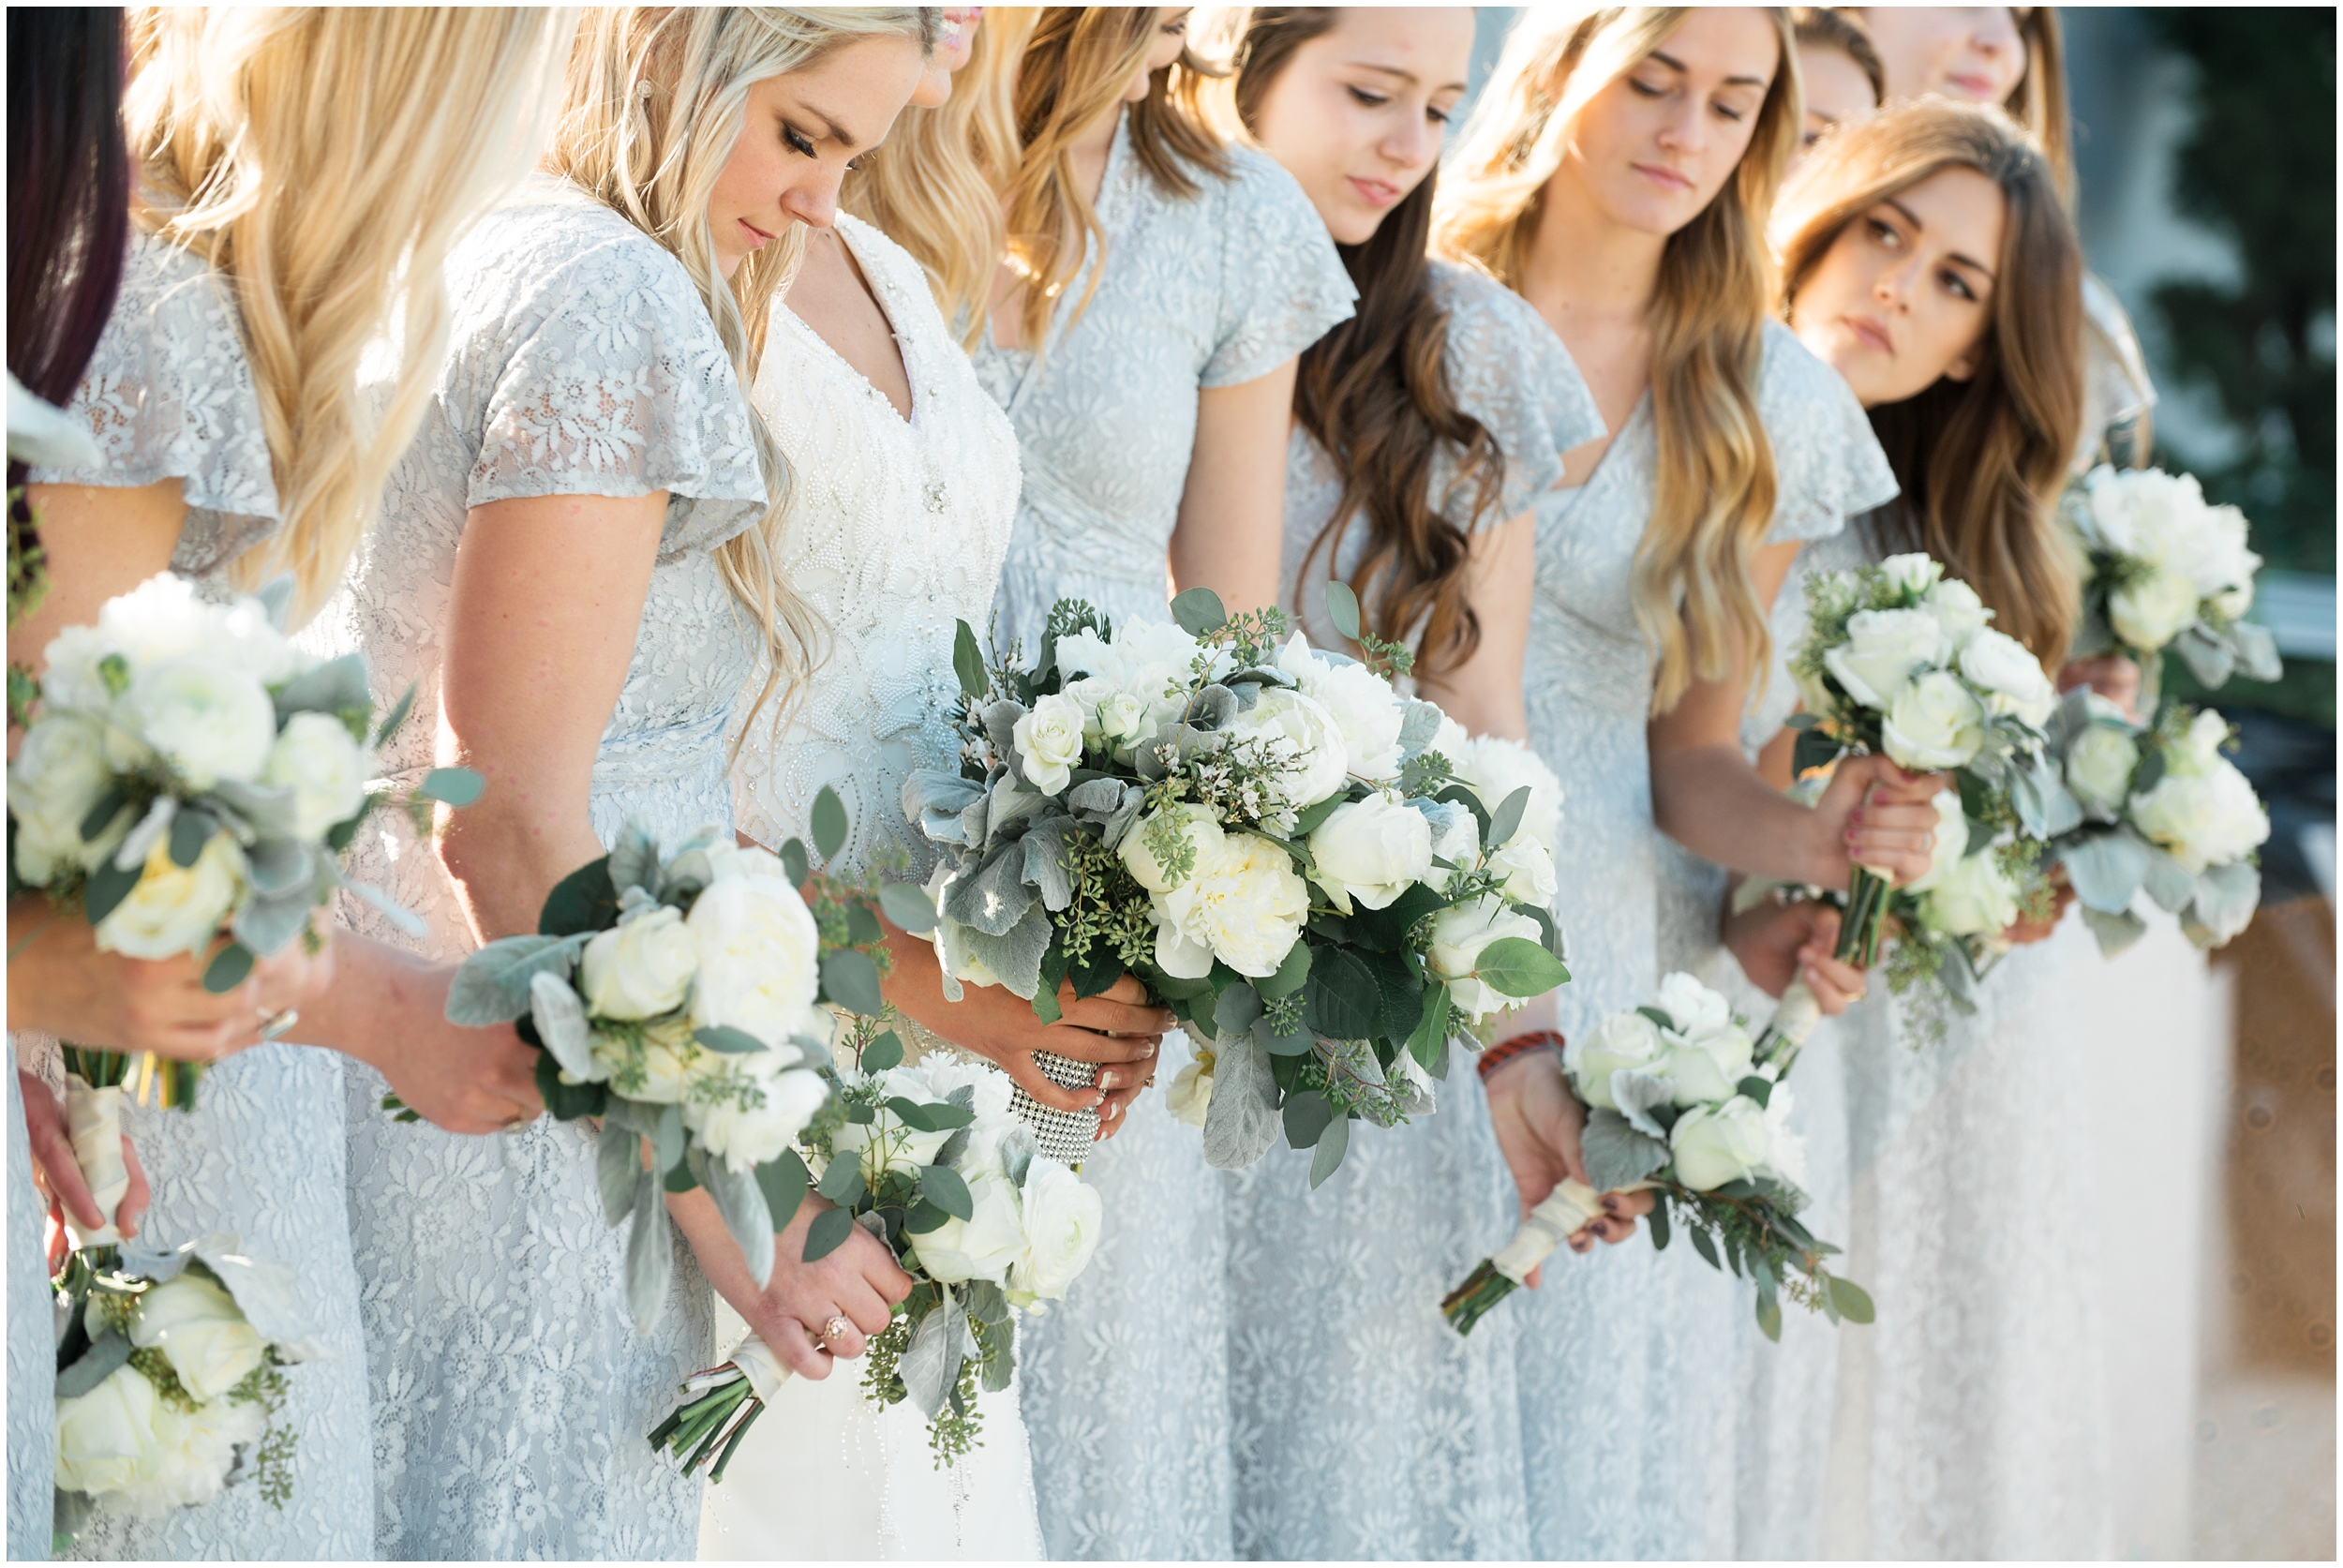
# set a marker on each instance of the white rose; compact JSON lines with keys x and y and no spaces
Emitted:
{"x":1713,"y":1144}
{"x":1691,"y":1006}
{"x":1952,"y":841}
{"x":1114,"y":719}
{"x":1196,"y":824}
{"x":1459,"y":932}
{"x":759,"y":956}
{"x":2150,"y":610}
{"x":1370,"y":852}
{"x":1960,"y":613}
{"x":1914,"y":574}
{"x":726,"y":861}
{"x":1246,"y":904}
{"x":1528,"y":871}
{"x":1935,"y":722}
{"x":1189,"y":1095}
{"x":983,"y":1246}
{"x":2099,"y":764}
{"x":201,"y":1331}
{"x":1623,"y":1041}
{"x":316,"y":759}
{"x":1456,"y":832}
{"x":1883,"y":649}
{"x":109,"y":1439}
{"x":1708,"y":1065}
{"x":193,"y":1466}
{"x":662,"y":1072}
{"x":177,"y":909}
{"x":755,"y":1107}
{"x":207,"y":720}
{"x":2002,"y":666}
{"x":1364,"y":708}
{"x":1493,"y":768}
{"x":640,"y":969}
{"x":2206,"y":818}
{"x":1975,"y":897}
{"x":52,"y":783}
{"x":1048,"y":743}
{"x":1063,"y":1220}
{"x":1298,"y":728}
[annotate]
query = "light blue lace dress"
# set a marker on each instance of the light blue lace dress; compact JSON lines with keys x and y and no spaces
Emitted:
{"x":169,"y":395}
{"x":1126,"y":1385}
{"x":1626,"y":1353}
{"x":511,"y":1393}
{"x":32,"y":1359}
{"x":1364,"y":1260}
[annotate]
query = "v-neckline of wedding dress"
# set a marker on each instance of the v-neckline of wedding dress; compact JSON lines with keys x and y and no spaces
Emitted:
{"x":891,"y":310}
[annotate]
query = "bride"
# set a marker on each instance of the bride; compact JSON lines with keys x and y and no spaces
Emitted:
{"x":906,"y":481}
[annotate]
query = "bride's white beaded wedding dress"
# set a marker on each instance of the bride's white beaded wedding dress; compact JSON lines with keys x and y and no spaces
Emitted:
{"x":896,"y":530}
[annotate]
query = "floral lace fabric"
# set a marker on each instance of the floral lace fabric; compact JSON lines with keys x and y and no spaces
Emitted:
{"x":32,"y":1352}
{"x":511,"y":1393}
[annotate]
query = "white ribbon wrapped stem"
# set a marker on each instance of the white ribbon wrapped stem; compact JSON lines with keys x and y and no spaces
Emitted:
{"x":766,"y":1371}
{"x":1796,"y":1016}
{"x":94,"y":1119}
{"x":1567,"y":1210}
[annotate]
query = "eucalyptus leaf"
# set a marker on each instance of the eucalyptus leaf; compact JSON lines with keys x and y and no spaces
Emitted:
{"x":666,"y":1142}
{"x":227,"y":969}
{"x":942,"y":1187}
{"x":326,"y":687}
{"x":908,"y":906}
{"x":1326,"y":1157}
{"x":457,"y":787}
{"x":783,"y":1180}
{"x":191,"y":829}
{"x":649,"y":1255}
{"x":844,"y":1184}
{"x":1516,"y":966}
{"x":884,"y":1052}
{"x":1199,"y":612}
{"x":851,"y":981}
{"x":1292,"y":970}
{"x":396,"y":717}
{"x":1342,"y":607}
{"x":1505,"y":821}
{"x":1235,"y":1010}
{"x":968,"y":663}
{"x":1306,"y":1116}
{"x":1853,"y":1302}
{"x":828,"y":823}
{"x":727,"y":1041}
{"x":828,"y":1233}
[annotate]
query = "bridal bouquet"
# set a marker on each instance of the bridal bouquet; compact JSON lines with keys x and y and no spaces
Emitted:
{"x":170,"y":1379}
{"x":677,"y":998}
{"x":931,"y":1159}
{"x":1676,"y":1106}
{"x":2165,"y":569}
{"x":1261,"y":833}
{"x":2161,"y":809}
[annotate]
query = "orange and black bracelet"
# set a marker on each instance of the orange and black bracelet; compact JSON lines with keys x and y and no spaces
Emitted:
{"x":1518,"y":1045}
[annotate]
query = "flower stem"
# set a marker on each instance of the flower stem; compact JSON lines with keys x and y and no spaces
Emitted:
{"x":1470,"y":1302}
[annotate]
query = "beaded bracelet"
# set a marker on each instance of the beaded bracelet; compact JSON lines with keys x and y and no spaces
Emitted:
{"x":1518,"y":1045}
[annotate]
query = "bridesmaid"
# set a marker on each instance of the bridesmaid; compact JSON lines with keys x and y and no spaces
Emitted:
{"x":1840,"y":71}
{"x":1615,"y":174}
{"x":1426,"y":426}
{"x":573,"y":567}
{"x":1143,"y":338}
{"x":196,"y":449}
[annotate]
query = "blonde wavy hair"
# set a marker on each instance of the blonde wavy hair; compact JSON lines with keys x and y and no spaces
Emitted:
{"x":324,"y":161}
{"x":930,"y":188}
{"x":1714,"y":485}
{"x":1077,"y":62}
{"x":651,"y":107}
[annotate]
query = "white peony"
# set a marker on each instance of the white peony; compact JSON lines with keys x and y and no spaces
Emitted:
{"x":1371,"y":851}
{"x":2207,"y":816}
{"x":1713,"y":1144}
{"x":1064,"y":1218}
{"x":640,"y":969}
{"x":750,"y":1109}
{"x":111,"y":1439}
{"x":759,"y":955}
{"x":1245,"y":906}
{"x":200,"y":1451}
{"x":165,"y":617}
{"x":2154,"y":608}
{"x":2215,"y":558}
{"x":1973,"y":897}
{"x":205,"y":719}
{"x":1459,"y":932}
{"x":327,"y":771}
{"x":1935,"y":722}
{"x":1196,"y":824}
{"x":1493,"y":768}
{"x":177,"y":909}
{"x":1624,"y":1041}
{"x":1913,"y":573}
{"x":1048,"y":743}
{"x":983,"y":1246}
{"x":1960,"y":613}
{"x":1883,"y":649}
{"x":1366,"y":709}
{"x":198,"y":1326}
{"x":1150,"y":662}
{"x":1691,"y":1006}
{"x":2100,"y":762}
{"x":1952,"y":841}
{"x":1707,"y":1065}
{"x":2001,"y":665}
{"x":53,"y":783}
{"x":1298,"y":728}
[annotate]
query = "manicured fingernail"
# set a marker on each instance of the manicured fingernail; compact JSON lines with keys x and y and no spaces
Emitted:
{"x":1610,"y":1205}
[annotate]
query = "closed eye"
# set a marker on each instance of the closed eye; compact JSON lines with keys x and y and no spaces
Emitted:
{"x":1368,"y":100}
{"x":798,"y":140}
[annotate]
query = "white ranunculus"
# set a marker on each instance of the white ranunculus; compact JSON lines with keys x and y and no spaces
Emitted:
{"x":316,"y":759}
{"x":1371,"y":851}
{"x":1959,"y":612}
{"x":177,"y":909}
{"x":1189,"y":1095}
{"x":1298,"y":728}
{"x":2205,"y":819}
{"x":201,"y":1331}
{"x":752,"y":1108}
{"x":1493,"y":768}
{"x":193,"y":1467}
{"x":1975,"y":897}
{"x":1246,"y":904}
{"x":1713,"y":1144}
{"x":983,"y":1246}
{"x":1197,"y":824}
{"x":1915,"y":572}
{"x":53,"y":783}
{"x":759,"y":955}
{"x":1708,"y":1065}
{"x":205,"y":719}
{"x":2153,"y":609}
{"x":1459,"y":932}
{"x":1884,"y":648}
{"x":1064,"y":1218}
{"x":2099,"y":764}
{"x":110,"y":1438}
{"x":1364,"y":708}
{"x":640,"y":969}
{"x":1935,"y":722}
{"x":1691,"y":1006}
{"x":1952,"y":841}
{"x":1048,"y":743}
{"x":1528,"y":871}
{"x":2001,"y":665}
{"x":1623,"y":1041}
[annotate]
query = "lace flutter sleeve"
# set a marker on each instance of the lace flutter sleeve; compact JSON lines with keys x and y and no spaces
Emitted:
{"x":1511,"y":372}
{"x":1281,"y":284}
{"x":1827,"y":464}
{"x":613,"y":382}
{"x":169,"y":395}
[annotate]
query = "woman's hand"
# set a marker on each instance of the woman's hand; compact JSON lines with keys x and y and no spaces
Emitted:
{"x":1777,"y":943}
{"x":2112,"y":676}
{"x":58,"y":1174}
{"x":857,"y":1281}
{"x":1538,"y":1123}
{"x":1874,"y":814}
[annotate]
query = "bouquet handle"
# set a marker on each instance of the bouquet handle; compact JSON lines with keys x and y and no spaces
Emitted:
{"x":1567,"y":1210}
{"x":1792,"y":1024}
{"x":765,"y":1370}
{"x":94,"y":1120}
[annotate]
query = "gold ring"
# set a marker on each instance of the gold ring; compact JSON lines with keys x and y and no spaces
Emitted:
{"x":836,"y":1328}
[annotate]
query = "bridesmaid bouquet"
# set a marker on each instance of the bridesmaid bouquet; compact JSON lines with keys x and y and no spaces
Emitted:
{"x":1266,"y":837}
{"x":929,"y":1159}
{"x":2164,"y":569}
{"x":1676,"y":1106}
{"x":677,"y":998}
{"x":170,"y":1379}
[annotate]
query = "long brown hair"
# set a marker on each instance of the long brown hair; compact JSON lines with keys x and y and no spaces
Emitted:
{"x":1713,"y":487}
{"x":1980,"y":461}
{"x":1374,"y":395}
{"x":1073,"y":73}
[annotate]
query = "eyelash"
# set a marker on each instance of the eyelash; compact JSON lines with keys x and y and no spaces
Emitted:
{"x":1647,"y":90}
{"x":1370,"y":100}
{"x":1886,"y":234}
{"x":798,"y":143}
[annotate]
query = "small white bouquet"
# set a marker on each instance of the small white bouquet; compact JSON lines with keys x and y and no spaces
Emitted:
{"x":170,"y":1379}
{"x":929,"y":1159}
{"x":2164,"y":568}
{"x":1270,"y":838}
{"x":1676,"y":1105}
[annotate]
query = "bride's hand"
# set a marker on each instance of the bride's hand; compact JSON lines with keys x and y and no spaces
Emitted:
{"x":856,"y":1284}
{"x":1538,"y":1123}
